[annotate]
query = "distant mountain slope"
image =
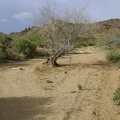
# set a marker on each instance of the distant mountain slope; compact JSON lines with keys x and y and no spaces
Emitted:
{"x":107,"y":28}
{"x":103,"y":28}
{"x":27,"y":32}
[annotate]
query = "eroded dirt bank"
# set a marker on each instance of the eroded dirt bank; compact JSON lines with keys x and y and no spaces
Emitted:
{"x":52,"y":94}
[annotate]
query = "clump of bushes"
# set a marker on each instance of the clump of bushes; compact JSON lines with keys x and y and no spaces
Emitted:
{"x":103,"y":41}
{"x":114,"y":42}
{"x":113,"y":55}
{"x":42,"y":52}
{"x":116,"y":97}
{"x":3,"y":53}
{"x":5,"y":42}
{"x":111,"y":42}
{"x":24,"y":46}
{"x":118,"y":64}
{"x":86,"y":41}
{"x":37,"y":39}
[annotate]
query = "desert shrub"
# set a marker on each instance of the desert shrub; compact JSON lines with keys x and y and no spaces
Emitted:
{"x":42,"y":52}
{"x":5,"y":43}
{"x":79,"y":86}
{"x":114,"y":42}
{"x":6,"y":40}
{"x":118,"y":64}
{"x":110,"y":41}
{"x":17,"y":56}
{"x":116,"y":97}
{"x":24,"y":46}
{"x":1,"y":40}
{"x":37,"y":39}
{"x":102,"y":41}
{"x":86,"y":41}
{"x":3,"y":53}
{"x":113,"y":55}
{"x":37,"y":69}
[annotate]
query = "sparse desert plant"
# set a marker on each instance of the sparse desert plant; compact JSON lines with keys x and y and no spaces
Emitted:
{"x":113,"y":55}
{"x":47,"y":87}
{"x":79,"y":86}
{"x":37,"y":69}
{"x":116,"y":97}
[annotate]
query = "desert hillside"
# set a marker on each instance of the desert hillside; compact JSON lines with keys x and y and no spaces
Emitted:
{"x":103,"y":28}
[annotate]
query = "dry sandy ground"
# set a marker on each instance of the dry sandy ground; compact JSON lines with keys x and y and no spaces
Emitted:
{"x":52,"y":94}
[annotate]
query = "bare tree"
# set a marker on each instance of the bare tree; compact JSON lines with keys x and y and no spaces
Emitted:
{"x":62,"y":31}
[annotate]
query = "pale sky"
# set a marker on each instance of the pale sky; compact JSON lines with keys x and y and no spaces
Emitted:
{"x":16,"y":15}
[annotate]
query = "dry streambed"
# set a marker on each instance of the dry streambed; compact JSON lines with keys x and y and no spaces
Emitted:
{"x":52,"y":94}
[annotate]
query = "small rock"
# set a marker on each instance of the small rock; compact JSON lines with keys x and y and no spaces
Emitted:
{"x":65,"y":72}
{"x":73,"y":92}
{"x":48,"y":81}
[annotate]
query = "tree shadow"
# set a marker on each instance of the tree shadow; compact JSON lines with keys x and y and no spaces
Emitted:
{"x":25,"y":108}
{"x":15,"y":64}
{"x":67,"y":56}
{"x":98,"y":63}
{"x":73,"y":53}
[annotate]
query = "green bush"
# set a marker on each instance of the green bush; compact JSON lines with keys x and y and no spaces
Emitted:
{"x":37,"y":39}
{"x":17,"y":56}
{"x":6,"y":40}
{"x":3,"y":53}
{"x":116,"y":97}
{"x":79,"y":86}
{"x":113,"y":55}
{"x":5,"y":44}
{"x":37,"y":69}
{"x":86,"y":41}
{"x":24,"y":46}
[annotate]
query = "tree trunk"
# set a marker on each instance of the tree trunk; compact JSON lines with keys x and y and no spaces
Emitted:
{"x":52,"y":62}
